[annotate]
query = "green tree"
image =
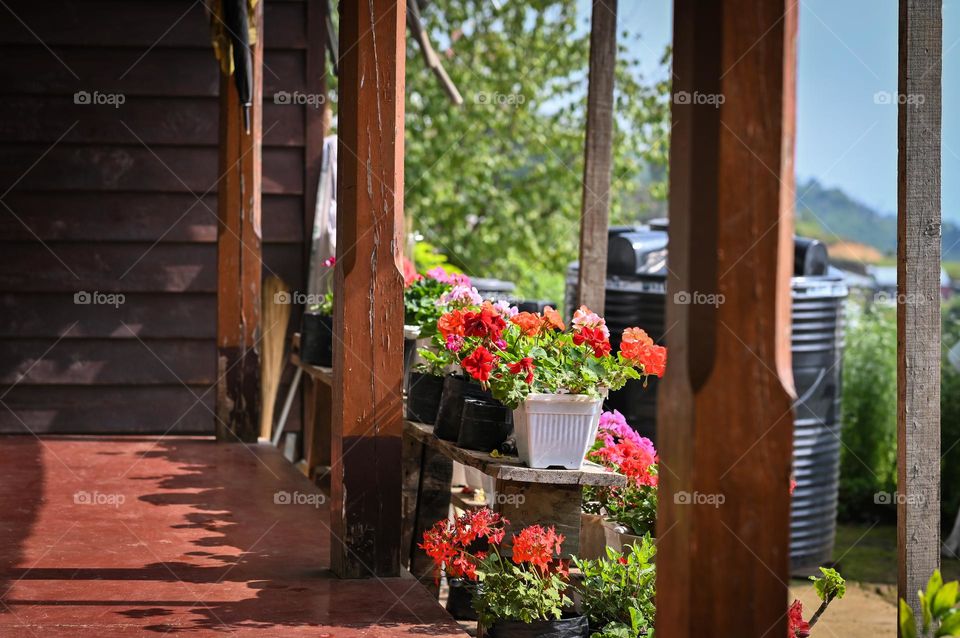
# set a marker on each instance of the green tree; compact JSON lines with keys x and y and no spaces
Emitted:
{"x":496,"y":184}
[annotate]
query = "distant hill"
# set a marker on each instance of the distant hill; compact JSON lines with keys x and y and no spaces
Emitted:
{"x":829,"y":214}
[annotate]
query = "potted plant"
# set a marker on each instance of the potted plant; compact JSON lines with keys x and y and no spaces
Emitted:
{"x":316,"y":327}
{"x":422,"y":308}
{"x":617,"y":591}
{"x":552,"y":378}
{"x":523,"y":594}
{"x":316,"y":333}
{"x":628,"y":512}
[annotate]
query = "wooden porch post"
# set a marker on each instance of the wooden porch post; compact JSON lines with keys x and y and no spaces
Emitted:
{"x":918,"y":300}
{"x":239,"y":256}
{"x":598,"y":156}
{"x":726,"y":399}
{"x":368,"y":306}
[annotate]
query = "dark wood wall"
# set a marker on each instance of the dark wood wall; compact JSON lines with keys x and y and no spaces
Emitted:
{"x":122,"y":199}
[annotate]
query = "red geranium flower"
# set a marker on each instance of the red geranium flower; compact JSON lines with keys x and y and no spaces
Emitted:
{"x":536,"y":545}
{"x":451,"y":323}
{"x":552,"y":319}
{"x":638,"y":347}
{"x":797,"y":627}
{"x":523,"y":365}
{"x":479,"y":364}
{"x":594,"y":338}
{"x":486,"y":323}
{"x":529,"y":322}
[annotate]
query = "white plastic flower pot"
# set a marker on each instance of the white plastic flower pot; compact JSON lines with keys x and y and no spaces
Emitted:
{"x":556,"y":430}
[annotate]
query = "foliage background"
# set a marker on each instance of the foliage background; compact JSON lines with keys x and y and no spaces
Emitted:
{"x":496,"y":184}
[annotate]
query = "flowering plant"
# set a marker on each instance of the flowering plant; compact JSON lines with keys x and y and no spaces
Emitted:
{"x":619,"y":447}
{"x":530,"y":585}
{"x":426,"y":297}
{"x":325,"y":305}
{"x":519,"y":353}
{"x":829,"y":586}
{"x":618,"y":591}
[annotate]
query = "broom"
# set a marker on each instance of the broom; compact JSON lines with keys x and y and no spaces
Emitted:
{"x":275,"y":315}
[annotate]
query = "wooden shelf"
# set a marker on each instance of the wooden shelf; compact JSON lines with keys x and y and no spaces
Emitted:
{"x":320,"y":373}
{"x":509,"y":468}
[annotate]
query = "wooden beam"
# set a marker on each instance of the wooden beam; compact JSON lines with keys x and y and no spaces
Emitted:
{"x":918,"y":299}
{"x":724,"y":507}
{"x":368,"y":288}
{"x":239,"y":256}
{"x":597,"y":156}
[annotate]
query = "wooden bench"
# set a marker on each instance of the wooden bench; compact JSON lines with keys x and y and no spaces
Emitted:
{"x":522,"y":495}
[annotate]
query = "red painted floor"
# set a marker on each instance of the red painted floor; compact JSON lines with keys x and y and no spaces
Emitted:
{"x":113,"y":536}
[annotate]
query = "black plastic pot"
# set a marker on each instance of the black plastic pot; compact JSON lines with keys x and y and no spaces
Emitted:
{"x":572,"y":627}
{"x":460,"y":599}
{"x":316,"y":339}
{"x":484,"y":424}
{"x":455,"y":388}
{"x":423,"y":397}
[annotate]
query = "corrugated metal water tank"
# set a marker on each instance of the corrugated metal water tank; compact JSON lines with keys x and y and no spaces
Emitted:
{"x":638,"y":299}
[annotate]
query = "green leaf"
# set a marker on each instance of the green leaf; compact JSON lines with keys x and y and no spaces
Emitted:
{"x":944,"y":599}
{"x":908,"y":626}
{"x":950,"y":625}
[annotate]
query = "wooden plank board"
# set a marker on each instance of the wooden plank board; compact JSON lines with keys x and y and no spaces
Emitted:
{"x":239,"y":253}
{"x":187,"y":121}
{"x":726,"y":439}
{"x":147,"y":316}
{"x":135,"y":217}
{"x":29,"y":267}
{"x":167,"y":169}
{"x":510,"y":468}
{"x":98,"y":409}
{"x":321,"y":374}
{"x":37,"y":72}
{"x":918,"y":301}
{"x":138,"y":25}
{"x":598,"y":152}
{"x":368,"y":289}
{"x":107,"y":361}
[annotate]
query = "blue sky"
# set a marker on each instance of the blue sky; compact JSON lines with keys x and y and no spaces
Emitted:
{"x":847,"y":54}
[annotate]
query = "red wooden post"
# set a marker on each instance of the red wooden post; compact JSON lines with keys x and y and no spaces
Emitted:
{"x":368,"y":306}
{"x":725,"y":408}
{"x":597,"y":159}
{"x":239,"y":256}
{"x":918,"y":299}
